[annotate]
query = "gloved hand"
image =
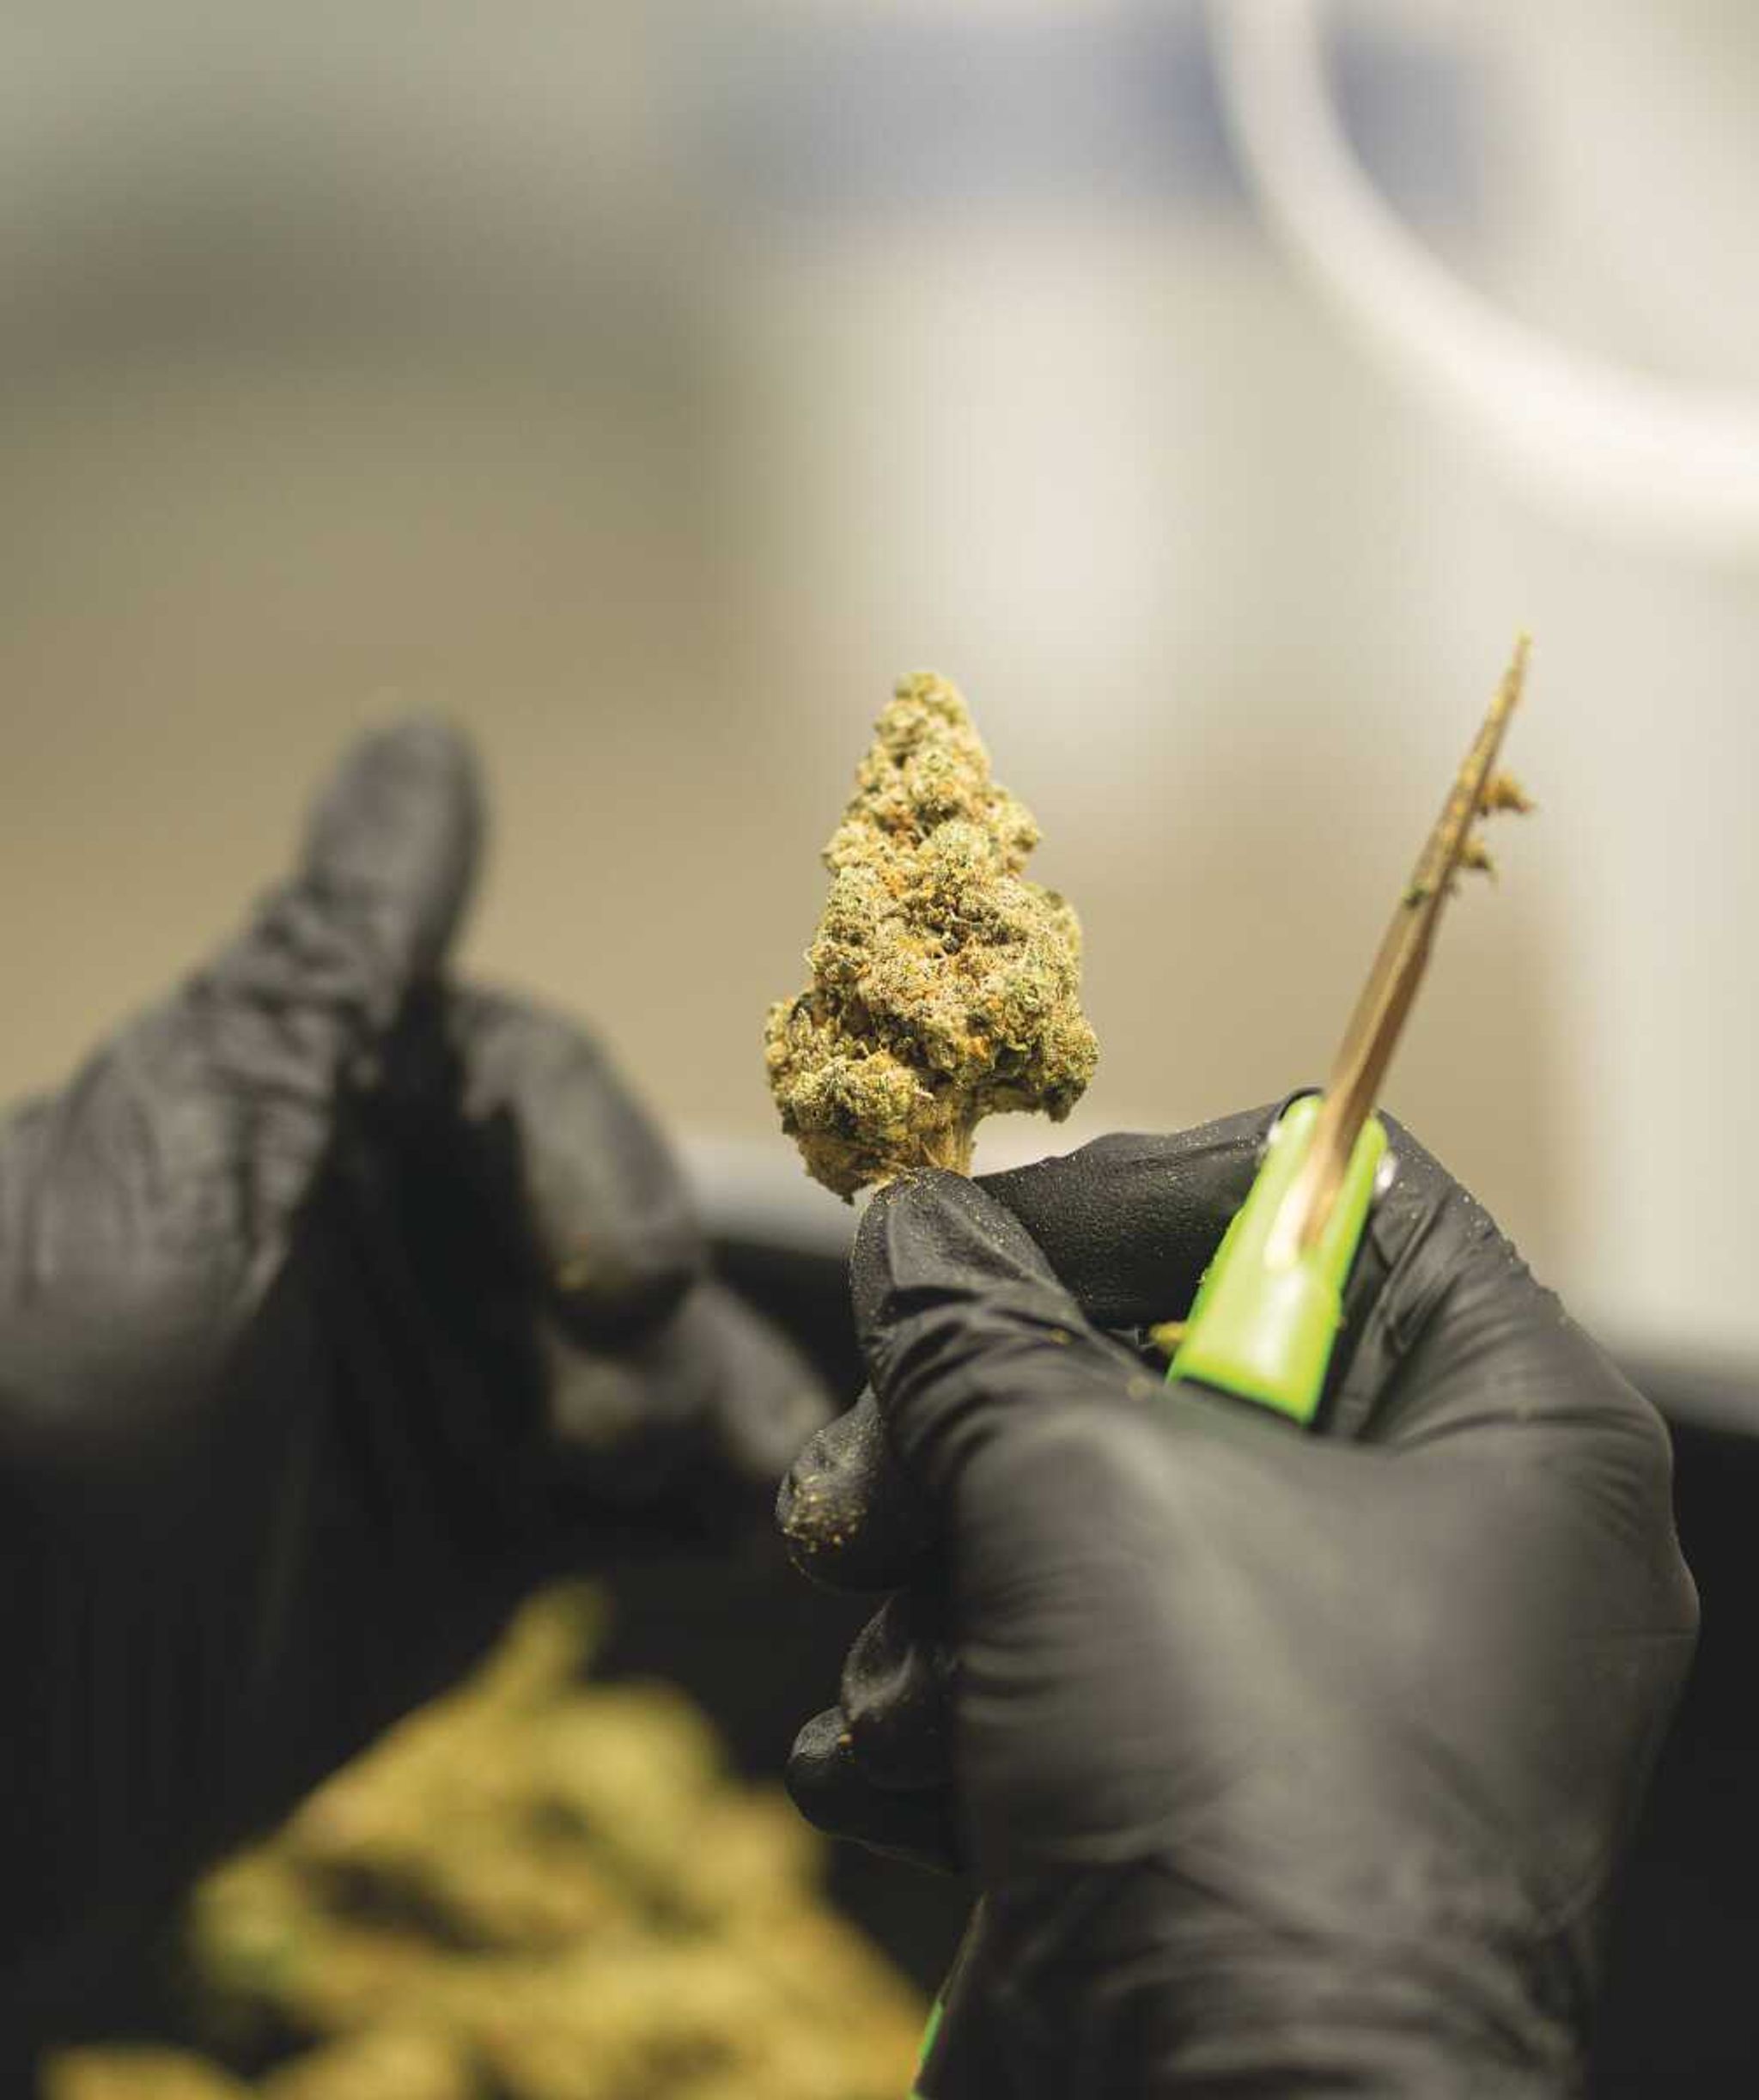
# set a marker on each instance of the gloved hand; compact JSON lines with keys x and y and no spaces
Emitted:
{"x":336,"y":1306}
{"x":1288,"y":1764}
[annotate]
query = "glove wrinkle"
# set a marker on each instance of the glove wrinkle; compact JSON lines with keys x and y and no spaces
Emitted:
{"x":1098,"y":1992}
{"x":28,"y":1138}
{"x":897,"y":1691}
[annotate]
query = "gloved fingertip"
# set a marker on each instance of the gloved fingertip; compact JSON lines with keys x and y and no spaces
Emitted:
{"x":816,"y":1745}
{"x":831,"y":1791}
{"x":851,"y":1516}
{"x":898,"y":1696}
{"x":961,"y":1319}
{"x":329,"y":988}
{"x":395,"y":836}
{"x":937,"y":1239}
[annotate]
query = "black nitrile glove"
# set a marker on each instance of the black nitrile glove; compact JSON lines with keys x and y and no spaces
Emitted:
{"x":337,"y":1306}
{"x":1288,"y":1764}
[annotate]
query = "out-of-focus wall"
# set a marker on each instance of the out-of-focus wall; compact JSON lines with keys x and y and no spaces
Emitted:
{"x":647,"y":387}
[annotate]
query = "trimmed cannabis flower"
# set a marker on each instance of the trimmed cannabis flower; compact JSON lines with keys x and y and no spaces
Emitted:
{"x":945,"y":986}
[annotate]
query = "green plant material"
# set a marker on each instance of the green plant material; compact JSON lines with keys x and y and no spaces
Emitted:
{"x":535,"y":1888}
{"x":135,"y":2073}
{"x":945,"y":986}
{"x":1502,"y":791}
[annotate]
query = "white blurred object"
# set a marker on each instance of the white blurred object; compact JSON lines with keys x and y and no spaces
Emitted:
{"x":1613,"y":446}
{"x":654,"y":384}
{"x":1630,"y":166}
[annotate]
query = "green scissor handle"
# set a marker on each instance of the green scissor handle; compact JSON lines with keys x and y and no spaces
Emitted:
{"x":1262,"y":1328}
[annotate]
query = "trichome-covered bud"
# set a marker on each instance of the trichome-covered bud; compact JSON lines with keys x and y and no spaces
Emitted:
{"x":945,"y":986}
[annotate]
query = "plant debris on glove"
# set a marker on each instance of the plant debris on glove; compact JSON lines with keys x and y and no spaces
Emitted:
{"x":945,"y":986}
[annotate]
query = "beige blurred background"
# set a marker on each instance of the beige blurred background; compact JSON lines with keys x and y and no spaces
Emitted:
{"x":648,"y":385}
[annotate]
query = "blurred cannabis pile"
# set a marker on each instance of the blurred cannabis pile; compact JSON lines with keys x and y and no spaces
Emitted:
{"x":536,"y":1888}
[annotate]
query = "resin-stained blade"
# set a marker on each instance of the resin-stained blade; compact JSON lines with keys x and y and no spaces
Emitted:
{"x":1353,"y":1084}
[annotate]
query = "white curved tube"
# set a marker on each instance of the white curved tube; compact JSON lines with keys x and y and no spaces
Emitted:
{"x":1611,"y":445}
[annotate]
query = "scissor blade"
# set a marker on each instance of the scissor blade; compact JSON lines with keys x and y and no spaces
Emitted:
{"x":1359,"y":1067}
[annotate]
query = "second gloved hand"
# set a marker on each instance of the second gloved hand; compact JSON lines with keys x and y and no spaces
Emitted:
{"x":1287,"y":1764}
{"x":337,"y":1304}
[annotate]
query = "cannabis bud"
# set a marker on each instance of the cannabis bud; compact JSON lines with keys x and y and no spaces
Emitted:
{"x":945,"y":986}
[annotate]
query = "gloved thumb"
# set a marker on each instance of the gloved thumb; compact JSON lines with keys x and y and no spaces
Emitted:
{"x":968,"y":1334}
{"x":233,"y":1083}
{"x":389,"y":852}
{"x":167,"y":1174}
